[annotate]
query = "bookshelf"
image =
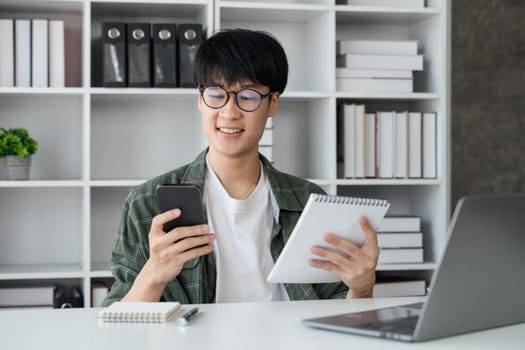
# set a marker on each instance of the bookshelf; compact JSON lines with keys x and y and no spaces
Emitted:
{"x":97,"y":143}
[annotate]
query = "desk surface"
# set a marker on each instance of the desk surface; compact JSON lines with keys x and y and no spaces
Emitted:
{"x":269,"y":326}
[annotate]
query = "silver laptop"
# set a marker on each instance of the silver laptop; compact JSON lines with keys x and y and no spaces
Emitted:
{"x":478,"y":283}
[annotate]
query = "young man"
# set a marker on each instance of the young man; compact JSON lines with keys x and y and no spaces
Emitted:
{"x":251,"y":207}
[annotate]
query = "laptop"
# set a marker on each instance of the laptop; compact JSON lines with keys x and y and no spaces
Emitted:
{"x":478,"y":284}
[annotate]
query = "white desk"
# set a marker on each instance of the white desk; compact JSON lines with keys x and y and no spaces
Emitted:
{"x":269,"y":326}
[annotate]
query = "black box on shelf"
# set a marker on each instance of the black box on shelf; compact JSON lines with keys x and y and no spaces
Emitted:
{"x":139,"y":53}
{"x":114,"y":54}
{"x":164,"y":65}
{"x":190,"y":38}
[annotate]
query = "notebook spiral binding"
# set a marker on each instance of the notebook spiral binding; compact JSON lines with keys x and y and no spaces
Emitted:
{"x":371,"y":202}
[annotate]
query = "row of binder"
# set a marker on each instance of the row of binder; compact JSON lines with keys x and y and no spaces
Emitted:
{"x":149,"y":55}
{"x":32,"y":53}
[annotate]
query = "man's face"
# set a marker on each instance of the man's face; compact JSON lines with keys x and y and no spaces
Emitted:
{"x":231,"y":131}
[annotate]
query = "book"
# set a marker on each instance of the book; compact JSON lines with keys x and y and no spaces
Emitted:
{"x":140,"y":311}
{"x":385,"y":144}
{"x":7,"y":53}
{"x":375,"y":85}
{"x":388,"y":3}
{"x":400,"y":239}
{"x":39,"y":53}
{"x":56,"y":54}
{"x":27,"y":296}
{"x":373,"y":73}
{"x":414,"y":144}
{"x":412,"y":62}
{"x":400,"y":255}
{"x":359,"y":141}
{"x":322,"y":214}
{"x":400,"y":224}
{"x":429,"y":155}
{"x":376,"y":47}
{"x":401,"y":145}
{"x":399,"y":288}
{"x":349,"y":140}
{"x":23,"y":53}
{"x":370,"y":145}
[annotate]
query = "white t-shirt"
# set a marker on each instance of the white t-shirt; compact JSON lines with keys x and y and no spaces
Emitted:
{"x":242,"y":246}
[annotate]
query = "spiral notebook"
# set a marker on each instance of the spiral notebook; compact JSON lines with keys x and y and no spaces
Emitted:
{"x":131,"y":311}
{"x":323,"y":213}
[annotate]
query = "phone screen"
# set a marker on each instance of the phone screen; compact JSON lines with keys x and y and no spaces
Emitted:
{"x":187,"y":198}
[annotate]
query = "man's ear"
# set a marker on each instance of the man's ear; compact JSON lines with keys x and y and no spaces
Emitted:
{"x":199,"y":101}
{"x":274,"y":104}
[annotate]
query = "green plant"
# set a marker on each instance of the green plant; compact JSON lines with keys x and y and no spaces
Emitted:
{"x":16,"y":142}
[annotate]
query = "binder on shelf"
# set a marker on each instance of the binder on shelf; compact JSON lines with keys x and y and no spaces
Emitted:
{"x":401,"y":148}
{"x":385,"y":144}
{"x":23,"y":53}
{"x":164,"y":54}
{"x":39,"y":53}
{"x":56,"y":54}
{"x":370,"y":145}
{"x":349,"y":140}
{"x":114,"y":58}
{"x":139,"y":65}
{"x":414,"y":145}
{"x":7,"y":53}
{"x":413,"y":62}
{"x":190,"y":38}
{"x":429,"y":146}
{"x":377,"y":47}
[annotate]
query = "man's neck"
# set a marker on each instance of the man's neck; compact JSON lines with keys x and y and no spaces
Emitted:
{"x":238,"y":175}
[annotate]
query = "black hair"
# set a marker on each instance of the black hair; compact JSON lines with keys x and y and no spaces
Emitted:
{"x":233,"y":55}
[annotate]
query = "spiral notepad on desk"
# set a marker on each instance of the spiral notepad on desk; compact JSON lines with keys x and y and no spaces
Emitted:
{"x":143,"y":311}
{"x":322,"y":214}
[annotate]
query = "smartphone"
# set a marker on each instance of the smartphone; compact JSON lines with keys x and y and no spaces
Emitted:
{"x":187,"y":198}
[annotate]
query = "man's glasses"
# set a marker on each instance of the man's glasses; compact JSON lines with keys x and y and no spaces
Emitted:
{"x":248,"y":100}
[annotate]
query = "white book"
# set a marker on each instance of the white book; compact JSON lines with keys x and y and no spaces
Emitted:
{"x":375,"y":85}
{"x":349,"y":139}
{"x":389,"y":3}
{"x":413,"y":62}
{"x":140,"y":311}
{"x":400,"y":224}
{"x":7,"y":53}
{"x":414,"y":145}
{"x":39,"y":53}
{"x":373,"y":73}
{"x":429,"y":145}
{"x":23,"y":52}
{"x":323,"y":213}
{"x":98,"y":294}
{"x":385,"y":144}
{"x":26,"y":296}
{"x":400,"y":256}
{"x":400,"y":239}
{"x":401,"y":147}
{"x":267,"y":151}
{"x":56,"y":54}
{"x":377,"y":47}
{"x":267,"y":138}
{"x":391,"y":289}
{"x":370,"y":145}
{"x":360,"y":141}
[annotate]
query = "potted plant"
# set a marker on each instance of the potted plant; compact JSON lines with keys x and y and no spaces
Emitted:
{"x":16,"y":148}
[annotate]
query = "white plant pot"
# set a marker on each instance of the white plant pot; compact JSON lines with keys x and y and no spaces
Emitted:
{"x":14,"y":168}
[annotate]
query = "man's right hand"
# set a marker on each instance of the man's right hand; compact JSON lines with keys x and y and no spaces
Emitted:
{"x":168,"y":253}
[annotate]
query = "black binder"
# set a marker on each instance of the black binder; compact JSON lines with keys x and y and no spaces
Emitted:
{"x":114,"y":54}
{"x":190,"y":38}
{"x":164,"y":55}
{"x":139,"y":53}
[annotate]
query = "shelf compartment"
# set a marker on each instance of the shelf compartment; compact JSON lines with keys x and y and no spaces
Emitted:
{"x":40,"y":226}
{"x":55,"y":122}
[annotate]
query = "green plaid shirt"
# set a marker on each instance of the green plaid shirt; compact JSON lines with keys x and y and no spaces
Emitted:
{"x":196,"y":282}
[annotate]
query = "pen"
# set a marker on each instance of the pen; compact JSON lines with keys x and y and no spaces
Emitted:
{"x":184,"y":319}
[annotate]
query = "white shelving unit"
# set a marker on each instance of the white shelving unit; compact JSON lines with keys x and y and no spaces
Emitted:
{"x":96,"y":143}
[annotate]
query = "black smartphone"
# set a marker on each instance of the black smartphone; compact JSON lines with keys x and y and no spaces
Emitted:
{"x":187,"y":198}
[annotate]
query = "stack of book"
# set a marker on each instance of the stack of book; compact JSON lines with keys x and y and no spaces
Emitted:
{"x":400,"y":240}
{"x":387,"y":144}
{"x":32,"y":53}
{"x":266,"y":142}
{"x":24,"y":297}
{"x":398,"y":287}
{"x":376,"y":65}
